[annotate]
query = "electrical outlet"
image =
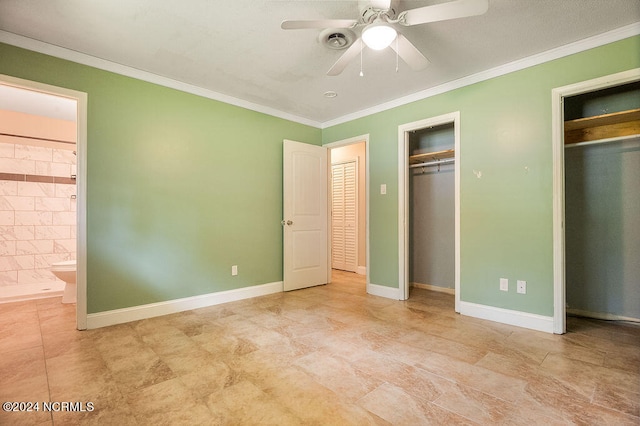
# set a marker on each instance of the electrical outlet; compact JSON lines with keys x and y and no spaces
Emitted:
{"x":234,"y":270}
{"x":383,"y":189}
{"x":504,"y":284}
{"x":522,"y":287}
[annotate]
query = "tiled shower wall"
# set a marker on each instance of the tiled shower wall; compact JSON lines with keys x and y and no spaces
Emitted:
{"x":37,"y":212}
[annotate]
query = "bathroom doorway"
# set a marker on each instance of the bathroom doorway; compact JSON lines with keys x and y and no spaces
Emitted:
{"x":43,"y":189}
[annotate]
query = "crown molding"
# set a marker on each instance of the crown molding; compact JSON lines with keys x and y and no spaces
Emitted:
{"x":105,"y":65}
{"x":540,"y":58}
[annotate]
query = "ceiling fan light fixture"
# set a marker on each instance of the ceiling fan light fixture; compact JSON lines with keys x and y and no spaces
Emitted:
{"x":379,"y":35}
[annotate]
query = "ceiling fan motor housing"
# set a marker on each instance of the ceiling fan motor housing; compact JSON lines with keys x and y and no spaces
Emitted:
{"x":371,"y":9}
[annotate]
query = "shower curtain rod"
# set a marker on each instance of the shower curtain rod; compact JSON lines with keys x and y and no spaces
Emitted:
{"x":36,"y":138}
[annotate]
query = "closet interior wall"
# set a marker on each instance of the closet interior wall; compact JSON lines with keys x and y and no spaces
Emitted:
{"x":602,"y":209}
{"x":432,"y":210}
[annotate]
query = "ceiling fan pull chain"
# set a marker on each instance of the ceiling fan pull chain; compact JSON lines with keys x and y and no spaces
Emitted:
{"x":361,"y":49}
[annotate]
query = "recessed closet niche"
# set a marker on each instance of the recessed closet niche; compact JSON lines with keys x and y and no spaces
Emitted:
{"x":602,"y":203}
{"x":432,"y":208}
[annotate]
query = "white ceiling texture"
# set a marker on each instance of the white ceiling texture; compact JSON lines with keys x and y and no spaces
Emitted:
{"x":235,"y":50}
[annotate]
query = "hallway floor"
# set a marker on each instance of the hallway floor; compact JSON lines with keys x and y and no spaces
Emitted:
{"x":328,"y":355}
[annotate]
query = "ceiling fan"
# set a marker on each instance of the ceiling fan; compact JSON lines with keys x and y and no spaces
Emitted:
{"x":380,"y":17}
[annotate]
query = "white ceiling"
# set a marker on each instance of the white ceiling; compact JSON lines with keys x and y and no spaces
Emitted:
{"x":236,"y":47}
{"x":37,"y":103}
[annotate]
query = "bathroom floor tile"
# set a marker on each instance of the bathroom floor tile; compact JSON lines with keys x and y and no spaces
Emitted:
{"x":325,"y":355}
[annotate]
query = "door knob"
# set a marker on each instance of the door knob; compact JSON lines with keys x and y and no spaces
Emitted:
{"x":288,"y":222}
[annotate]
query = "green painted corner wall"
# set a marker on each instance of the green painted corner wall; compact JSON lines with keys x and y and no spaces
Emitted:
{"x":506,"y":211}
{"x":179,"y":187}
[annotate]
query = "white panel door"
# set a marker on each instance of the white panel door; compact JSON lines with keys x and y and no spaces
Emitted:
{"x":344,"y":216}
{"x":305,"y":218}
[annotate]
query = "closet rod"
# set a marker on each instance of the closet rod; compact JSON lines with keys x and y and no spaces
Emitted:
{"x":433,"y":163}
{"x":602,"y":141}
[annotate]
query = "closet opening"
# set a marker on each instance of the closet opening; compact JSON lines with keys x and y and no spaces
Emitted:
{"x":348,"y":210}
{"x":429,"y":206}
{"x":602,"y":201}
{"x":432,"y":208}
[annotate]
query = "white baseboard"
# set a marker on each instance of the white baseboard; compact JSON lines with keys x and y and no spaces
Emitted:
{"x":383,"y":291}
{"x":507,"y":316}
{"x":362,"y":270}
{"x":135,"y":313}
{"x":434,"y":288}
{"x":601,"y":315}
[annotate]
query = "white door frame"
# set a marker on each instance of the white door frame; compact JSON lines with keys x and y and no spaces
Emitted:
{"x":403,"y":198}
{"x":338,"y":144}
{"x":81,"y":184}
{"x":557,"y":127}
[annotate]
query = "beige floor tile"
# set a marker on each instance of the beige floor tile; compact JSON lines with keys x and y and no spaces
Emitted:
{"x":168,"y":403}
{"x":329,"y":354}
{"x":396,"y":406}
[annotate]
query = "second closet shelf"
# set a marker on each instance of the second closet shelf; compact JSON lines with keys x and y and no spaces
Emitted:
{"x":431,"y":156}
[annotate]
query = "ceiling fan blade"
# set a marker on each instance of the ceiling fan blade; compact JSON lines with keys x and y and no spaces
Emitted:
{"x":442,"y":12}
{"x":409,"y":53}
{"x":346,"y":57}
{"x":319,"y":23}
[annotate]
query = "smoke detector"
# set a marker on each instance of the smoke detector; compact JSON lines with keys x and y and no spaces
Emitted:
{"x":337,"y":38}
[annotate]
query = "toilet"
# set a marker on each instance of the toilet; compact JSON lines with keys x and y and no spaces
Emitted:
{"x":66,"y":271}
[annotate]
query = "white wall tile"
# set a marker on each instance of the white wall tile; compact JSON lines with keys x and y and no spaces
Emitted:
{"x":12,"y":202}
{"x":34,"y":218}
{"x":8,"y":278}
{"x":44,"y":261}
{"x":16,"y":263}
{"x":36,"y":189}
{"x":53,"y":169}
{"x":53,"y":232}
{"x":17,"y":233}
{"x":10,"y":165}
{"x":7,"y":150}
{"x":65,"y":246}
{"x":35,"y":276}
{"x":7,"y":248}
{"x":7,"y":217}
{"x":64,"y":190}
{"x":52,"y":204}
{"x":64,"y":218}
{"x":34,"y":247}
{"x":64,"y":156}
{"x":32,"y":152}
{"x":8,"y":187}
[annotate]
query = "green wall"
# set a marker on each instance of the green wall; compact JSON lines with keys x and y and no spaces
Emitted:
{"x":506,"y":214}
{"x":179,"y":187}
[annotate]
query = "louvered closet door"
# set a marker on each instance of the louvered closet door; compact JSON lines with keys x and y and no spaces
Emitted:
{"x":344,"y":214}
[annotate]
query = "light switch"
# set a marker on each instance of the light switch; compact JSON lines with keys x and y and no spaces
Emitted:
{"x":383,"y":189}
{"x":504,"y":284}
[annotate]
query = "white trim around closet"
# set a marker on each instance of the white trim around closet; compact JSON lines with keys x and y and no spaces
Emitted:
{"x":557,"y":127}
{"x":403,"y":199}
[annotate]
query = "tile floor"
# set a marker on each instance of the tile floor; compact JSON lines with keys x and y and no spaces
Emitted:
{"x":328,"y":355}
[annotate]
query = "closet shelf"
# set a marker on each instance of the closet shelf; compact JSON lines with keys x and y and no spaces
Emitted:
{"x":431,"y":156}
{"x":606,"y":126}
